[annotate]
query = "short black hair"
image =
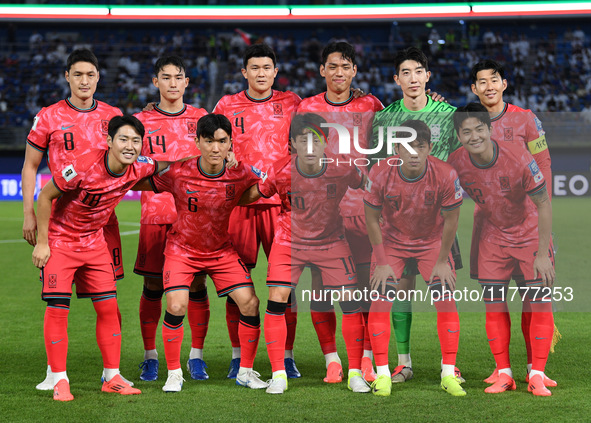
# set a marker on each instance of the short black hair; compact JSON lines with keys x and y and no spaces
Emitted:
{"x":118,"y":121}
{"x":471,"y":110}
{"x":168,"y":60}
{"x":81,"y":55}
{"x":300,"y":122}
{"x":346,"y":50}
{"x":259,"y":50}
{"x":493,"y":65}
{"x":208,"y":124}
{"x":423,"y":131}
{"x":410,"y":53}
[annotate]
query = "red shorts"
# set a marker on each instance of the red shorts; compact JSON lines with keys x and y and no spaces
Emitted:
{"x":356,"y":234}
{"x":251,"y":226}
{"x":92,"y":271}
{"x":227,"y":272}
{"x":113,"y":239}
{"x":424,"y":260}
{"x":150,"y":250}
{"x":335,"y":264}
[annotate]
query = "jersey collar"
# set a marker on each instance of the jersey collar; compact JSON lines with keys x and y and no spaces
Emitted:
{"x":90,"y":109}
{"x":492,"y":162}
{"x":258,"y":100}
{"x":209,"y":175}
{"x":165,"y":113}
{"x":109,"y":171}
{"x":500,"y":115}
{"x":342,"y":103}
{"x":316,"y":175}
{"x":413,"y":180}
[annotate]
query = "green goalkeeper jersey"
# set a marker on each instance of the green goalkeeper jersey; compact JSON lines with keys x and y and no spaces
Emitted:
{"x":437,"y":115}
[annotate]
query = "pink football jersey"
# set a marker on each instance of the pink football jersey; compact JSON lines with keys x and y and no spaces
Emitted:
{"x":501,"y":191}
{"x":411,"y":208}
{"x":279,"y":182}
{"x":260,"y":128}
{"x":91,"y":192}
{"x":203,"y":203}
{"x":170,"y":137}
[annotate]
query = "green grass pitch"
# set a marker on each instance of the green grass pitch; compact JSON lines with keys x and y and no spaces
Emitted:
{"x":23,"y":361}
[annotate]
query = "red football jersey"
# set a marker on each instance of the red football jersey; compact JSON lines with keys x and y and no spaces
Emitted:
{"x":91,"y":192}
{"x":203,"y":203}
{"x":501,"y":191}
{"x":522,"y":127}
{"x":260,"y":128}
{"x":170,"y":137}
{"x":316,"y":220}
{"x":279,"y":182}
{"x":63,"y":131}
{"x":411,"y":208}
{"x":353,"y":113}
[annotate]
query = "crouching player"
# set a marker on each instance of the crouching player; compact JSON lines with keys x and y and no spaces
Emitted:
{"x":205,"y":192}
{"x":311,"y":233}
{"x":71,"y":246}
{"x":419,"y":203}
{"x":509,"y":188}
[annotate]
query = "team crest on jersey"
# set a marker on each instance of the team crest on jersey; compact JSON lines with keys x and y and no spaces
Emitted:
{"x":166,"y":277}
{"x":357,"y":120}
{"x":144,"y":159}
{"x":142,"y":260}
{"x":458,"y":188}
{"x":277,"y":109}
{"x":69,"y":173}
{"x":52,"y":283}
{"x":259,"y":173}
{"x":331,"y":191}
{"x":535,"y":171}
{"x":192,"y":127}
{"x":429,"y":198}
{"x":105,"y":127}
{"x":435,"y":132}
{"x":394,"y":201}
{"x":505,"y":185}
{"x":230,"y":191}
{"x":508,"y":134}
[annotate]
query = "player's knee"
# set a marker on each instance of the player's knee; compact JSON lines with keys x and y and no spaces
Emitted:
{"x":249,"y":306}
{"x":177,"y":308}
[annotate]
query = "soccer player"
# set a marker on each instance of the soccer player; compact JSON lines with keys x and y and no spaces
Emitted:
{"x":311,"y":233}
{"x":510,"y":124}
{"x":205,"y":192}
{"x":171,"y":129}
{"x":509,"y":188}
{"x":419,"y":202}
{"x":71,"y":246}
{"x":338,"y":104}
{"x":261,"y":118}
{"x":67,"y":129}
{"x":412,"y":75}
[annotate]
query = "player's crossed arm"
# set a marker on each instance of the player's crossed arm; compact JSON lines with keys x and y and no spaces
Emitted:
{"x":543,"y":267}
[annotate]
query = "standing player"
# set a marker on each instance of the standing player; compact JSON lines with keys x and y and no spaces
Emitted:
{"x":509,"y":188}
{"x":339,"y":105}
{"x":261,"y":117}
{"x":171,"y":128}
{"x":518,"y":126}
{"x":311,"y":233}
{"x":205,"y":191}
{"x":419,"y":203}
{"x":71,"y":246}
{"x":67,"y":129}
{"x":412,"y":75}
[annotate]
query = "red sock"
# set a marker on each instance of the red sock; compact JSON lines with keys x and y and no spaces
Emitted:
{"x":249,"y":332}
{"x":325,"y":323}
{"x":150,"y":311}
{"x":541,"y":332}
{"x":352,"y":329}
{"x":198,"y":315}
{"x":108,"y":332}
{"x":55,"y":332}
{"x":291,"y":320}
{"x":275,"y":334}
{"x":366,"y":338}
{"x":172,"y":336}
{"x":448,"y":329}
{"x":498,"y":332}
{"x":232,"y":320}
{"x":380,"y":330}
{"x":525,"y":326}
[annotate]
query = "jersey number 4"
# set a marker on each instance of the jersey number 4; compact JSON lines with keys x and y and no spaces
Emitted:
{"x":239,"y":123}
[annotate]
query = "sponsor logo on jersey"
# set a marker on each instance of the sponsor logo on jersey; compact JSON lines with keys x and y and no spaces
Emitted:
{"x":66,"y":127}
{"x":230,"y":191}
{"x":150,"y":132}
{"x":144,"y":159}
{"x":508,"y":134}
{"x":505,"y":185}
{"x":262,"y":175}
{"x":331,"y":191}
{"x":429,"y":198}
{"x":69,"y":173}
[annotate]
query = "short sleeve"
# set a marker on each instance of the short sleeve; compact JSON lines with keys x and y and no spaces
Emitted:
{"x":452,"y":191}
{"x":374,"y":190}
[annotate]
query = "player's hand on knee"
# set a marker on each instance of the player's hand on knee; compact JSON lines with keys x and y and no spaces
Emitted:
{"x":30,"y":229}
{"x":380,"y":276}
{"x":41,"y":254}
{"x":543,"y":269}
{"x":444,"y":272}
